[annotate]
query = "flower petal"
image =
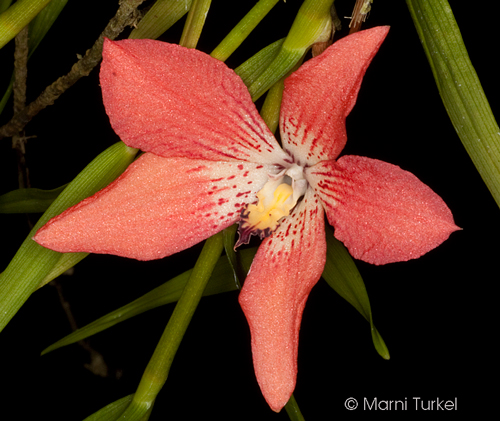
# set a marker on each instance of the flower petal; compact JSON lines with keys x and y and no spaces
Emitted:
{"x":174,"y":101}
{"x":380,"y":212}
{"x":287,"y":265}
{"x":319,"y":96}
{"x":158,"y":207}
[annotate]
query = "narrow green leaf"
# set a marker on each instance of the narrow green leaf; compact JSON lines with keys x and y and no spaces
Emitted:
{"x":459,"y":87}
{"x":4,"y":5}
{"x":32,"y":262}
{"x":194,"y":23}
{"x":112,"y":411}
{"x":312,"y":24}
{"x":221,"y":280}
{"x":65,"y":262}
{"x":162,"y":15}
{"x":343,"y":276}
{"x":293,"y":410}
{"x":28,"y":200}
{"x":241,"y":31}
{"x":43,"y":22}
{"x":157,"y":370}
{"x":251,"y":69}
{"x":17,"y":16}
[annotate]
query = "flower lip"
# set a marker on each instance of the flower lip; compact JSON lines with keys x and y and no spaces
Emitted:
{"x":275,"y":201}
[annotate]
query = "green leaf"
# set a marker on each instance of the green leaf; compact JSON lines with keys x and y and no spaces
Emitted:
{"x":194,"y":23}
{"x":157,"y":370}
{"x":32,"y":262}
{"x":43,"y":22}
{"x":293,"y":410}
{"x":28,"y":200}
{"x":17,"y":16}
{"x":459,"y":87}
{"x":343,"y":276}
{"x":221,"y":280}
{"x":162,"y":15}
{"x":312,"y":24}
{"x":241,"y":31}
{"x":251,"y":69}
{"x":4,"y":5}
{"x":65,"y":262}
{"x":111,"y":412}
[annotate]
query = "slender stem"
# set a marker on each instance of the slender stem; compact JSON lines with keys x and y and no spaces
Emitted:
{"x":244,"y":27}
{"x":156,"y":372}
{"x":194,"y":23}
{"x":293,"y":410}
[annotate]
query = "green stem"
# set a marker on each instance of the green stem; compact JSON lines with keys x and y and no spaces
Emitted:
{"x":17,"y":17}
{"x":312,"y":24}
{"x":194,"y":23}
{"x":156,"y":372}
{"x":244,"y":27}
{"x":293,"y":410}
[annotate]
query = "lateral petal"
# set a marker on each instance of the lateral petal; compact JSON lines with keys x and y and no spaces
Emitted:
{"x":287,"y":265}
{"x":174,"y":101}
{"x":158,"y":207}
{"x":321,"y":93}
{"x":381,"y":213}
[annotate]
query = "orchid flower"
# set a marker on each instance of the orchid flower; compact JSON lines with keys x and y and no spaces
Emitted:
{"x":210,"y":162}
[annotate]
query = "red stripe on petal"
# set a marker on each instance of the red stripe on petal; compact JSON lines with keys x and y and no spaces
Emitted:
{"x":174,"y":101}
{"x":380,"y":212}
{"x":287,"y":265}
{"x":158,"y":207}
{"x":318,"y":97}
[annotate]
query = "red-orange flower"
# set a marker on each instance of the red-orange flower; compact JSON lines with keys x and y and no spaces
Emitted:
{"x":211,"y":162}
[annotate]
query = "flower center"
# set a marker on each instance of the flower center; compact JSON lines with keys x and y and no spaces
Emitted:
{"x":275,"y":201}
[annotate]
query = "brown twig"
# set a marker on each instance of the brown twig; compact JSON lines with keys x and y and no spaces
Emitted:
{"x":126,"y":15}
{"x":359,"y":14}
{"x":19,"y":93}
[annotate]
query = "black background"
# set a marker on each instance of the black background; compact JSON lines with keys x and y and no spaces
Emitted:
{"x":436,"y":313}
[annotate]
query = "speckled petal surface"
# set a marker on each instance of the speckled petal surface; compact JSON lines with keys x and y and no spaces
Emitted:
{"x":174,"y":101}
{"x":158,"y":207}
{"x":380,"y":212}
{"x":287,"y":265}
{"x":318,"y":97}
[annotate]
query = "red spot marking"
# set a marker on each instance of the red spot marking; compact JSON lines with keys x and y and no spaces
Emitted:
{"x":259,"y":167}
{"x":214,"y":187}
{"x":222,"y":201}
{"x":196,"y":169}
{"x":245,"y":174}
{"x":217,"y":179}
{"x":235,"y":186}
{"x":240,"y":167}
{"x":250,"y":182}
{"x":241,"y":194}
{"x":230,"y":214}
{"x":233,"y":176}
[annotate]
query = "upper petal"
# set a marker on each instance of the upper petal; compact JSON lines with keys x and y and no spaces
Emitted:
{"x":287,"y":265}
{"x":320,"y":94}
{"x":158,"y":207}
{"x":380,"y":212}
{"x":175,"y":101}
